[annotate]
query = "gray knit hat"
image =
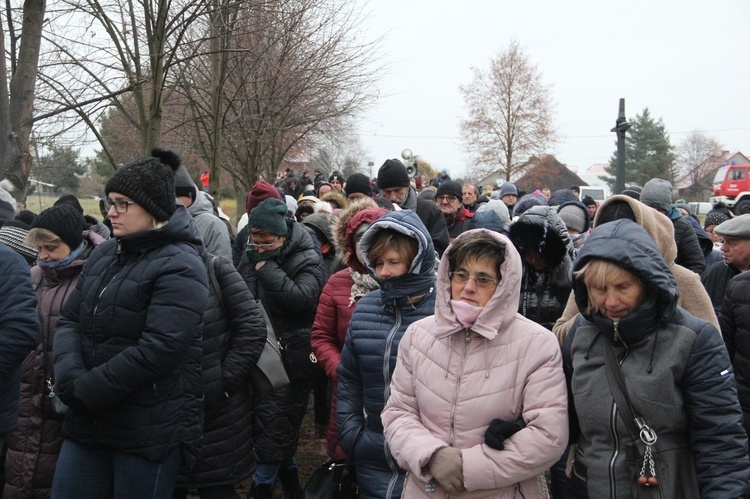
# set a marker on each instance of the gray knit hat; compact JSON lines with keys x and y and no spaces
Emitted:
{"x":183,"y":184}
{"x":657,"y":193}
{"x":574,"y":217}
{"x":507,"y":189}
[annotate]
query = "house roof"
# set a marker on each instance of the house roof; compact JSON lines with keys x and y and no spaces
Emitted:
{"x":547,"y":171}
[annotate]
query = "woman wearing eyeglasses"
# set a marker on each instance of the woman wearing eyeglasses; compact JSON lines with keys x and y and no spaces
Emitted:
{"x":285,"y":272}
{"x":128,"y":346}
{"x":478,"y":403}
{"x":397,"y":251}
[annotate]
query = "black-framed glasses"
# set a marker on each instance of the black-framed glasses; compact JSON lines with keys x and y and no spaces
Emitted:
{"x":482,"y":281}
{"x":263,"y":246}
{"x":445,"y":197}
{"x":121,"y":206}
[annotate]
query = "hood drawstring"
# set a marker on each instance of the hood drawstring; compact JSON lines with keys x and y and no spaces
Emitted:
{"x":653,"y":352}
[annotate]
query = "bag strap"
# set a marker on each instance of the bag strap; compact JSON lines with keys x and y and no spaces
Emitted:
{"x":633,"y":422}
{"x":215,"y":282}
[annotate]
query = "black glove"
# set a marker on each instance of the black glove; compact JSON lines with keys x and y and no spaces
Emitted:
{"x":499,"y":430}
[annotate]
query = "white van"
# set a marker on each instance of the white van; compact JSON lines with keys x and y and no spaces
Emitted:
{"x":597,"y":192}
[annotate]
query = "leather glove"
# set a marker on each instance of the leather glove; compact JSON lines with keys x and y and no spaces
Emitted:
{"x":447,"y":467}
{"x":499,"y":430}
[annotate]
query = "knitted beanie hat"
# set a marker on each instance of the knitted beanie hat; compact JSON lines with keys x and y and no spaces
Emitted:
{"x":261,"y":191}
{"x":507,"y":189}
{"x":634,"y":191}
{"x":715,"y":218}
{"x":358,"y":182}
{"x":13,"y":234}
{"x":269,"y":216}
{"x":657,"y":193}
{"x":588,"y":201}
{"x":450,"y":188}
{"x":337,"y":176}
{"x":392,"y":174}
{"x":71,"y":200}
{"x":574,"y":217}
{"x":149,"y":181}
{"x":183,"y":184}
{"x":65,"y":222}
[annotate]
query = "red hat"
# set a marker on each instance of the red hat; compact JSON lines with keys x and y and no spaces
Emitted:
{"x":261,"y":191}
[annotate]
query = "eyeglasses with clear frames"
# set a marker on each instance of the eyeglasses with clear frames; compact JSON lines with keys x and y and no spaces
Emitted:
{"x":121,"y":206}
{"x":263,"y":246}
{"x":482,"y":281}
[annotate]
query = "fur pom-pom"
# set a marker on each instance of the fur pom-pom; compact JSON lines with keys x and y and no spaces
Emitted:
{"x":167,"y":157}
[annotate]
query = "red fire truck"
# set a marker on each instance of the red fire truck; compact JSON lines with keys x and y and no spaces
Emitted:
{"x":732,"y":187}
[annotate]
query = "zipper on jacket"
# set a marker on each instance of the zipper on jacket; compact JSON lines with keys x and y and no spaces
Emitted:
{"x":613,"y":420}
{"x":459,"y":373}
{"x":386,"y":393}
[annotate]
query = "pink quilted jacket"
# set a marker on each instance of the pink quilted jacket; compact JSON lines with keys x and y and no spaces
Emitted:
{"x":450,"y":382}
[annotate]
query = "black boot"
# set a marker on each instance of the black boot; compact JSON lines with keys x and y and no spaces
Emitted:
{"x":290,"y":481}
{"x":261,"y":491}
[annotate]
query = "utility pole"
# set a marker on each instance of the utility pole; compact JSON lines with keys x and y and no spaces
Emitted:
{"x":621,"y":126}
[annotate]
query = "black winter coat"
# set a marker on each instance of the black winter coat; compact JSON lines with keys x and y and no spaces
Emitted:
{"x":734,"y":318}
{"x":289,"y":287}
{"x":128,"y":344}
{"x":716,"y":279}
{"x":544,"y":293}
{"x":234,"y":334}
{"x":19,"y":330}
{"x":689,"y":253}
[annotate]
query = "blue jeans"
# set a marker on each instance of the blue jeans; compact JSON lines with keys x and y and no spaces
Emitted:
{"x":268,"y":473}
{"x":87,"y":473}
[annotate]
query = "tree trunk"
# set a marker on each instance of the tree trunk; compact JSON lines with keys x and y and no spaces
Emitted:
{"x":16,"y":161}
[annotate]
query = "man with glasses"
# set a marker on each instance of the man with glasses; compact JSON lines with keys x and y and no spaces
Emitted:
{"x":449,"y":198}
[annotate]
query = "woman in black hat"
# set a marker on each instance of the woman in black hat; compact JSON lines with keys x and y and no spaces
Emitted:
{"x":128,"y":346}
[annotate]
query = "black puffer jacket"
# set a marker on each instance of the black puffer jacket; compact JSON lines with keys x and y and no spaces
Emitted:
{"x":716,"y":279}
{"x":233,"y":337}
{"x":676,"y":368}
{"x":289,"y":288}
{"x":734,"y":318}
{"x":689,"y":253}
{"x":544,"y":293}
{"x":128,"y":344}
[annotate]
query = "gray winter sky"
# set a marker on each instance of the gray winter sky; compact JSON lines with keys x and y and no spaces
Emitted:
{"x":687,"y":61}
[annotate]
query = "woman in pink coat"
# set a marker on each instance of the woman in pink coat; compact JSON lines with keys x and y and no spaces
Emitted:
{"x":478,"y":404}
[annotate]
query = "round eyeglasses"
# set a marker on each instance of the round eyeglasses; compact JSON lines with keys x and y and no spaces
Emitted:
{"x":482,"y":281}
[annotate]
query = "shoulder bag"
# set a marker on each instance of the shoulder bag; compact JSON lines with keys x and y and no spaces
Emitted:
{"x":268,"y":374}
{"x":335,"y":479}
{"x":660,"y":465}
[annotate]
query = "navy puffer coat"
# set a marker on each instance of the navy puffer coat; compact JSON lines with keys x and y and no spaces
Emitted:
{"x":128,"y":344}
{"x":369,"y":355}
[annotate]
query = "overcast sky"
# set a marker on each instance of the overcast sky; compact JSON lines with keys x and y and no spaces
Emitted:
{"x":687,"y":61}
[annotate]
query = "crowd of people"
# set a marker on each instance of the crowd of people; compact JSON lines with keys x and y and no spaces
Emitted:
{"x":456,"y":341}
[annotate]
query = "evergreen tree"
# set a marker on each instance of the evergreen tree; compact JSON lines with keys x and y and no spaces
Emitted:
{"x":60,"y":167}
{"x":648,"y":153}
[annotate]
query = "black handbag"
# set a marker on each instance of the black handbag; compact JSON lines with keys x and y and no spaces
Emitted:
{"x":300,"y":361}
{"x":660,"y":465}
{"x":268,"y":374}
{"x":335,"y":479}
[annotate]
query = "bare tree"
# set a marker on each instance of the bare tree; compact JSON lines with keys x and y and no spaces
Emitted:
{"x":293,"y":72}
{"x":510,"y":114}
{"x":17,"y":104}
{"x":698,"y":157}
